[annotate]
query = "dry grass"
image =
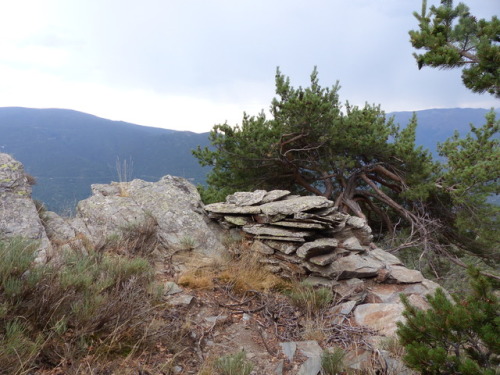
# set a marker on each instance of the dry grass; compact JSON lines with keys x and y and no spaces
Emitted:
{"x":242,"y":272}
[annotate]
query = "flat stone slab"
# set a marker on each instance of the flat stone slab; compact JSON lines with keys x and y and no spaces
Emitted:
{"x":385,"y":257}
{"x":274,"y":195}
{"x":356,"y":222}
{"x":379,"y":316}
{"x":262,"y":248}
{"x":264,"y":230}
{"x":344,"y":308}
{"x":323,"y":260}
{"x":237,"y":220}
{"x":402,"y":274}
{"x":352,"y":243}
{"x":283,"y":247}
{"x":246,"y":198}
{"x":226,"y":208}
{"x":356,"y":265}
{"x":294,"y":205}
{"x":352,"y":289}
{"x":318,"y":247}
{"x":278,"y":238}
{"x":299,"y":224}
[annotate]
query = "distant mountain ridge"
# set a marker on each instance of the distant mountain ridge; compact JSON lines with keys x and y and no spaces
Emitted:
{"x":67,"y":150}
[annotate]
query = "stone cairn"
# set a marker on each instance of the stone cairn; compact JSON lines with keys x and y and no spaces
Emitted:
{"x":307,"y":231}
{"x":307,"y":237}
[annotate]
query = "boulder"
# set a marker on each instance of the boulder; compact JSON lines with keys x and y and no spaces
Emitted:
{"x":173,"y":203}
{"x":18,"y":213}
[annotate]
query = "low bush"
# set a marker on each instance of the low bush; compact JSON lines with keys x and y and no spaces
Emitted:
{"x":80,"y":305}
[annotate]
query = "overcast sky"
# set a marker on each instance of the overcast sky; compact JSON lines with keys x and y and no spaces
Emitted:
{"x":189,"y":64}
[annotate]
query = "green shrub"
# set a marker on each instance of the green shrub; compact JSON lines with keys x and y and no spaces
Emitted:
{"x":17,"y":349}
{"x":233,"y":364}
{"x":80,"y":304}
{"x":454,"y":338}
{"x":332,"y":362}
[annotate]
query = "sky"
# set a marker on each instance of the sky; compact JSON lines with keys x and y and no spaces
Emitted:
{"x":191,"y":64}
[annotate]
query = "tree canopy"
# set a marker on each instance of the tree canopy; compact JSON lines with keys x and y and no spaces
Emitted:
{"x":453,"y":38}
{"x":312,"y":144}
{"x":370,"y":166}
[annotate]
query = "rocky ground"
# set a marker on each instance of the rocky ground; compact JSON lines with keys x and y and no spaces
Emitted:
{"x":280,"y":277}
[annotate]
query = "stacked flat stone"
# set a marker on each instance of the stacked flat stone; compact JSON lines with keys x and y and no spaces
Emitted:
{"x":302,"y":230}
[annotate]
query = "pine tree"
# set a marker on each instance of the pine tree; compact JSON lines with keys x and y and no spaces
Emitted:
{"x":470,"y":177}
{"x":313,"y":145}
{"x":453,"y":38}
{"x":454,"y":337}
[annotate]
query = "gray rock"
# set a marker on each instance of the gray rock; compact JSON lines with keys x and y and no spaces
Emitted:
{"x":323,"y":260}
{"x":172,"y":202}
{"x":319,"y":281}
{"x":226,"y":208}
{"x":246,"y":198}
{"x":384,"y":257}
{"x":313,"y":352}
{"x":356,"y":265}
{"x":352,"y":243}
{"x":288,"y":349}
{"x":279,"y":238}
{"x":352,"y":289}
{"x":318,"y":247}
{"x":344,"y":308}
{"x":262,"y":248}
{"x":237,"y":220}
{"x":298,"y":224}
{"x":180,"y":300}
{"x":266,"y":219}
{"x":18,"y":214}
{"x":309,"y":348}
{"x":312,"y":366}
{"x":262,"y":230}
{"x":356,"y":222}
{"x":171,"y":288}
{"x":275,"y":195}
{"x":394,"y":365}
{"x":284,"y":247}
{"x":402,"y":274}
{"x":292,"y":206}
{"x":65,"y":233}
{"x":381,"y":317}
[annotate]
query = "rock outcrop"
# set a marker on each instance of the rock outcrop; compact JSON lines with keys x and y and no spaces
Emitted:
{"x":18,"y":213}
{"x":172,"y":204}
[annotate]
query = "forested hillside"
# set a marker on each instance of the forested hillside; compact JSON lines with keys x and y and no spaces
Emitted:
{"x":67,"y":151}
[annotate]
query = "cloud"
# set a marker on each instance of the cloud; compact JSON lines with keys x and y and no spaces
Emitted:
{"x":191,"y":64}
